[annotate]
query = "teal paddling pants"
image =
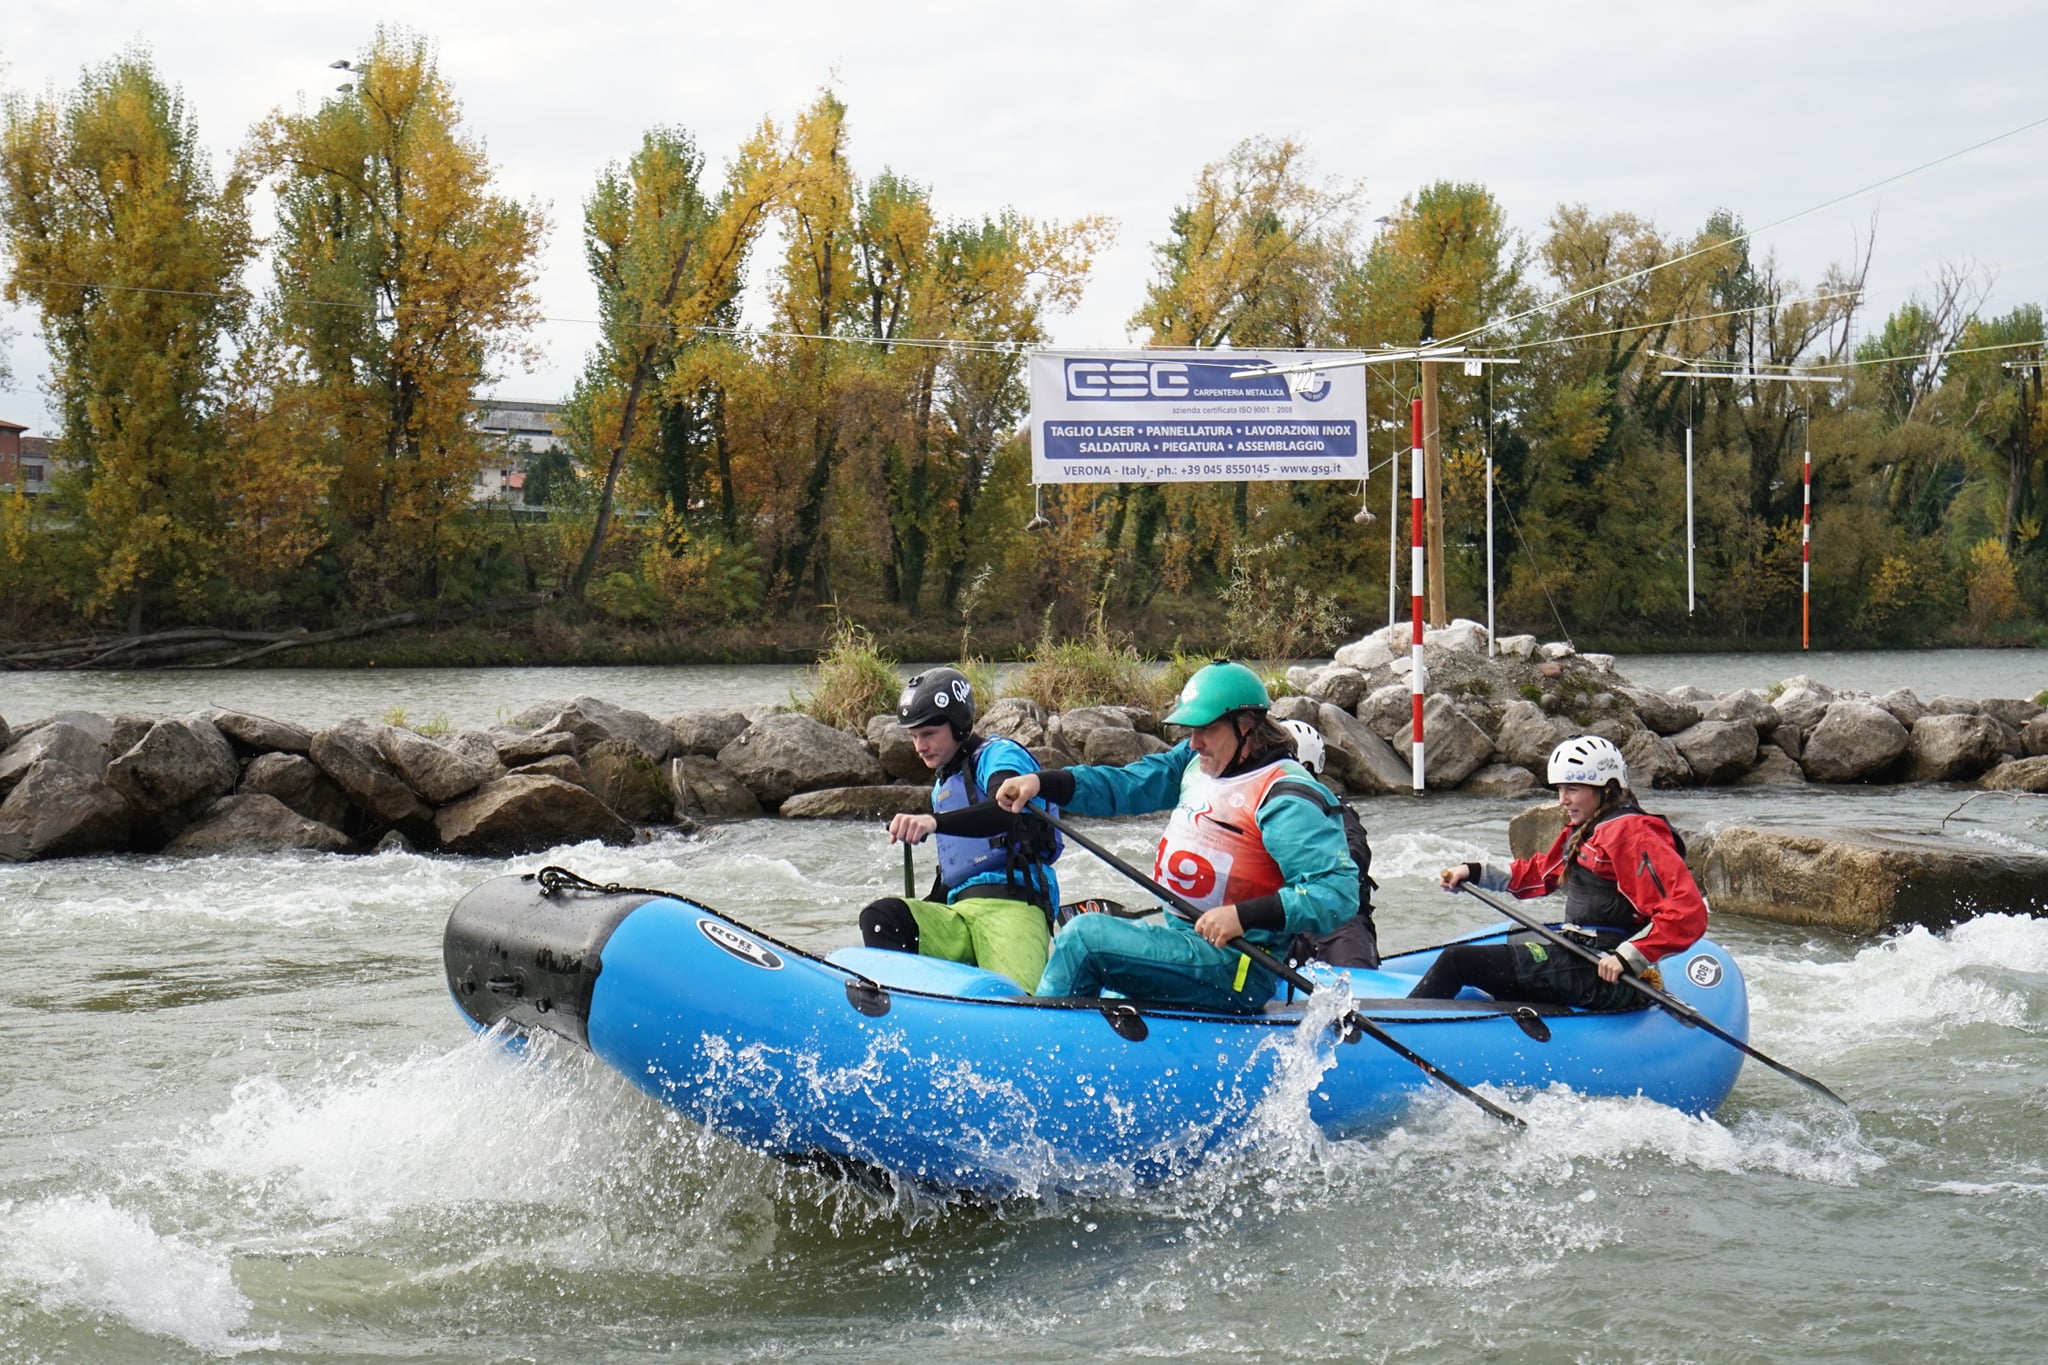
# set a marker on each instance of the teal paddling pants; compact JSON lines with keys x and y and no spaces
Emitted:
{"x":1152,"y":961}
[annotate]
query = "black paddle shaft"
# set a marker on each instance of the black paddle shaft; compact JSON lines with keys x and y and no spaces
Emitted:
{"x":1182,"y":907}
{"x":1670,"y":1004}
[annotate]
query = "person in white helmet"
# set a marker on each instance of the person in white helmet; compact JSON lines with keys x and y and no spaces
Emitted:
{"x":1356,"y":942}
{"x":1627,"y":890}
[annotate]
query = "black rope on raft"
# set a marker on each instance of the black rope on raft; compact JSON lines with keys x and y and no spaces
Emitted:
{"x":554,"y":879}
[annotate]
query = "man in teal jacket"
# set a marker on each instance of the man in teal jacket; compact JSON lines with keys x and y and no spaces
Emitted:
{"x":1252,"y":844}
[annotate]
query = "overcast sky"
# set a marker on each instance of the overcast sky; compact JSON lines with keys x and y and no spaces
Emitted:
{"x":1061,"y":108}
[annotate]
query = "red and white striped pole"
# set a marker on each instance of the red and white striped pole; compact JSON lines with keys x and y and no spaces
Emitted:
{"x":1415,"y":572}
{"x":1806,"y":544}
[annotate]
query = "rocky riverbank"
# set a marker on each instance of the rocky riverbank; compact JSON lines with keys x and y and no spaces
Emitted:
{"x":560,"y":772}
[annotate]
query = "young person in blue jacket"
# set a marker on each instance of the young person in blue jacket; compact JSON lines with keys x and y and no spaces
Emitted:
{"x":1252,"y":844}
{"x":993,"y":900}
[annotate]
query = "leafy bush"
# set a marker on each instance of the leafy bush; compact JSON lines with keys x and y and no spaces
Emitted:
{"x":852,"y":681}
{"x":1271,"y":617}
{"x":1101,"y":668}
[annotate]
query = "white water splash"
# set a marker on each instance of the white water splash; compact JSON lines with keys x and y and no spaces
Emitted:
{"x":79,"y":1253}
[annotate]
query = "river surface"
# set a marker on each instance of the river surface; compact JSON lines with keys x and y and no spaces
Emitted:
{"x":239,"y":1118}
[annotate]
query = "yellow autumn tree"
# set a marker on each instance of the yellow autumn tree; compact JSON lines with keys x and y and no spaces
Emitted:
{"x":118,"y":236}
{"x":402,"y":279}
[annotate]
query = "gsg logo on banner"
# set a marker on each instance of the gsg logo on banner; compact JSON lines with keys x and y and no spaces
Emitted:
{"x":1190,"y":416}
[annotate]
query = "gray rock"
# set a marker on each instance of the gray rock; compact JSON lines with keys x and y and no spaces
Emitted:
{"x":351,"y":755}
{"x":536,"y":715}
{"x":706,"y":791}
{"x":255,"y":823}
{"x":6,"y":735}
{"x":1360,"y":759}
{"x":1955,"y":706}
{"x":1697,"y":696}
{"x":128,"y":730}
{"x":1338,"y":685}
{"x":1949,"y":746}
{"x":1516,"y":646}
{"x":526,"y":813}
{"x":1661,"y":711}
{"x":1297,"y":707}
{"x":1774,"y":768}
{"x":393,"y":842}
{"x":619,"y":773}
{"x":251,"y":734}
{"x":81,"y":748}
{"x":1859,"y":881}
{"x":2011,"y":744}
{"x":1053,"y":756}
{"x":1453,"y":748}
{"x":1790,"y":739}
{"x":1112,"y":746}
{"x":1071,"y":729}
{"x":438,"y":772}
{"x":2018,"y":775}
{"x":299,"y":784}
{"x":704,"y":733}
{"x":1718,"y":750}
{"x":56,"y":811}
{"x":1527,"y":736}
{"x":1367,"y":654}
{"x":1747,"y":705}
{"x":1603,"y":662}
{"x":1500,"y":779}
{"x":1535,"y":829}
{"x":2035,"y":736}
{"x":1555,"y":650}
{"x":477,"y":745}
{"x":891,"y":743}
{"x":1018,"y":718}
{"x":1801,"y":701}
{"x":1903,"y":705}
{"x":1142,"y":720}
{"x":2013,"y":711}
{"x":560,"y":766}
{"x":1386,"y":711}
{"x":857,"y":803}
{"x":1856,"y":741}
{"x":593,"y":720}
{"x":171,"y":774}
{"x":1654,"y":761}
{"x":781,"y":755}
{"x":517,"y":750}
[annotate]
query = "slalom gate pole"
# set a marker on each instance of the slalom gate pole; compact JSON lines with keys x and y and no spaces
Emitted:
{"x":1415,"y":578}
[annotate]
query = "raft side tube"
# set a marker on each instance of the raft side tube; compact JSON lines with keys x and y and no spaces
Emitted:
{"x":528,"y":957}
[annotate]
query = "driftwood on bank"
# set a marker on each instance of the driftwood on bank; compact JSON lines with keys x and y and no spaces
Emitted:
{"x":187,"y":647}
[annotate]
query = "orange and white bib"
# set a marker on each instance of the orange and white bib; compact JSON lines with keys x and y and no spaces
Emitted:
{"x":1211,"y":852}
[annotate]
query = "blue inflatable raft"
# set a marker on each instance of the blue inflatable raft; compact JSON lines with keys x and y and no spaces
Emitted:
{"x":950,"y":1076}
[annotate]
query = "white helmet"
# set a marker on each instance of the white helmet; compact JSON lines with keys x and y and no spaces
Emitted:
{"x":1308,"y":744}
{"x":1587,"y":759}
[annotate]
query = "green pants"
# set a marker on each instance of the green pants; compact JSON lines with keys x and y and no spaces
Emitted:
{"x":1007,"y":937}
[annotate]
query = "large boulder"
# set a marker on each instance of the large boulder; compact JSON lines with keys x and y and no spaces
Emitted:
{"x":1527,"y":736}
{"x":255,"y":823}
{"x":1856,"y":741}
{"x":517,"y":749}
{"x":1388,"y":712}
{"x":891,"y":743}
{"x":1338,"y":685}
{"x":2018,"y":775}
{"x":1360,"y":759}
{"x":1654,"y":761}
{"x":2013,"y":711}
{"x":350,"y":753}
{"x":560,"y":766}
{"x":1111,"y":746}
{"x":171,"y":774}
{"x":1661,"y":711}
{"x":299,"y":784}
{"x":705,"y":791}
{"x":56,"y":811}
{"x":1955,"y":706}
{"x":1535,"y":829}
{"x":1949,"y":746}
{"x":1861,"y":881}
{"x":1904,"y":706}
{"x":704,"y":733}
{"x":2035,"y":736}
{"x":1018,"y":718}
{"x":1718,"y":750}
{"x":1774,"y":768}
{"x":1453,"y":748}
{"x":1801,"y":701}
{"x":251,"y":734}
{"x":1745,"y":704}
{"x":438,"y":772}
{"x":620,"y":774}
{"x":1367,"y":654}
{"x":783,"y":754}
{"x":76,"y":739}
{"x":858,"y":803}
{"x":1071,"y":729}
{"x":527,"y":813}
{"x":592,"y":721}
{"x":1500,"y":779}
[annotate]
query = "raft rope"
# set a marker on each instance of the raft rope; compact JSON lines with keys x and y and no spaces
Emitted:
{"x":555,"y":878}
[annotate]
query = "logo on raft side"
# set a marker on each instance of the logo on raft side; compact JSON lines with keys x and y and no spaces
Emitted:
{"x":1704,"y":971}
{"x":739,"y":945}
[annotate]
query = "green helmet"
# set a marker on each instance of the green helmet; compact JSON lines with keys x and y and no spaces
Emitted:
{"x":1216,"y":690}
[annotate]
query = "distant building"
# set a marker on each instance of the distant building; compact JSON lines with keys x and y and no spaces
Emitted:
{"x":26,"y":462}
{"x":522,"y":430}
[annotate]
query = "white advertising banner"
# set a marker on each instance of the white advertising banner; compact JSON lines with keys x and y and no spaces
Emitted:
{"x":1179,"y":417}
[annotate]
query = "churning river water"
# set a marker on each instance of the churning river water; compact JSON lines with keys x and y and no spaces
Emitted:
{"x":240,"y":1118}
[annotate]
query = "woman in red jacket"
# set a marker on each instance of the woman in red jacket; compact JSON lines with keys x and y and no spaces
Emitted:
{"x":1627,"y":892}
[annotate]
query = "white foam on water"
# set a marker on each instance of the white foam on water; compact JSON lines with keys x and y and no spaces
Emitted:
{"x":1422,"y":855}
{"x":1919,"y":986}
{"x":81,"y":1253}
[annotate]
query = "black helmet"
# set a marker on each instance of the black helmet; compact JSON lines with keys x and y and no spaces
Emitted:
{"x":935,"y":696}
